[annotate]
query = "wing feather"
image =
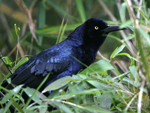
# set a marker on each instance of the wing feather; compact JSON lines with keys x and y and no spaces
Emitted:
{"x":38,"y":67}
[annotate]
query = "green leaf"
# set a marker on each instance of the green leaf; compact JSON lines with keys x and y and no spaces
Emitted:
{"x":112,"y":55}
{"x":58,"y":84}
{"x":127,"y":38}
{"x":118,"y":108}
{"x":43,"y":108}
{"x":121,"y":76}
{"x":69,"y":27}
{"x":16,"y":89}
{"x":59,"y":9}
{"x":17,"y":65}
{"x":95,"y":109}
{"x":29,"y":92}
{"x":115,"y":37}
{"x":41,"y":19}
{"x":12,"y":92}
{"x":15,"y":103}
{"x":80,"y":8}
{"x":7,"y":61}
{"x":17,"y":29}
{"x":62,"y":106}
{"x":100,"y":86}
{"x":128,"y":55}
{"x":143,"y":57}
{"x":134,"y":73}
{"x":21,"y":62}
{"x":105,"y":101}
{"x":132,"y":62}
{"x":83,"y":92}
{"x":99,"y":66}
{"x":144,"y":15}
{"x":48,"y":35}
{"x":37,"y":89}
{"x":119,"y":49}
{"x":7,"y":107}
{"x":130,"y":82}
{"x":10,"y":98}
{"x":145,"y":35}
{"x":123,"y":11}
{"x":116,"y":51}
{"x":62,"y":33}
{"x":126,"y":23}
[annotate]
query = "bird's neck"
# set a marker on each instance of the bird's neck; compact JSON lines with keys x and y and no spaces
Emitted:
{"x":77,"y":36}
{"x":93,"y":45}
{"x":91,"y":50}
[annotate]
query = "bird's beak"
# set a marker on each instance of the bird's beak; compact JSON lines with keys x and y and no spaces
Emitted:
{"x":111,"y":28}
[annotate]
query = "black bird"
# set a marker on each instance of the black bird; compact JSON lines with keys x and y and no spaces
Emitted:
{"x":82,"y":44}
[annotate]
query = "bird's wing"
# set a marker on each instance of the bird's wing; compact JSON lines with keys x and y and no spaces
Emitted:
{"x":45,"y":62}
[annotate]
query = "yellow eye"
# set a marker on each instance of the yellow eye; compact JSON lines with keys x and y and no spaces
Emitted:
{"x":96,"y":27}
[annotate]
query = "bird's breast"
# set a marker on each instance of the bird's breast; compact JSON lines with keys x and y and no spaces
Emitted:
{"x":82,"y":57}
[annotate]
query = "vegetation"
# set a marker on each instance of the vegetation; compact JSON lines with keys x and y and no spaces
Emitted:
{"x":118,"y":82}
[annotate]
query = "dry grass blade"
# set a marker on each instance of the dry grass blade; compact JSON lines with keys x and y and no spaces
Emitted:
{"x":145,"y":28}
{"x":20,"y":50}
{"x":5,"y":24}
{"x":131,"y":12}
{"x":114,"y":19}
{"x":141,"y":92}
{"x":128,"y":105}
{"x":27,"y":12}
{"x":107,"y":10}
{"x":12,"y":13}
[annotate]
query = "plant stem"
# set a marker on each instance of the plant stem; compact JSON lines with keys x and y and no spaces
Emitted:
{"x":142,"y":54}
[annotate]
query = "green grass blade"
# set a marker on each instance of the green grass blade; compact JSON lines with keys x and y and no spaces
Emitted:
{"x":62,"y":33}
{"x":69,"y":27}
{"x":29,"y":100}
{"x":123,"y":11}
{"x":99,"y":66}
{"x":57,"y":84}
{"x":59,"y":35}
{"x":62,"y":106}
{"x":41,"y":19}
{"x":60,"y":10}
{"x":142,"y":54}
{"x":15,"y":103}
{"x":80,"y":9}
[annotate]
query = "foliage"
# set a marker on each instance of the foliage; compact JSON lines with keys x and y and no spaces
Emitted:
{"x":120,"y":83}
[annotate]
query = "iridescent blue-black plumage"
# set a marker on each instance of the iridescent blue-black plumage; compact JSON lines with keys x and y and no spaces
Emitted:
{"x":82,"y":44}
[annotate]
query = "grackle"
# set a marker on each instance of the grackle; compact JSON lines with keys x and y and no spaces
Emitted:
{"x":60,"y":60}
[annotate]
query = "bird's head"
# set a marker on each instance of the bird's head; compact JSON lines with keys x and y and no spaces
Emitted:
{"x":97,"y":29}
